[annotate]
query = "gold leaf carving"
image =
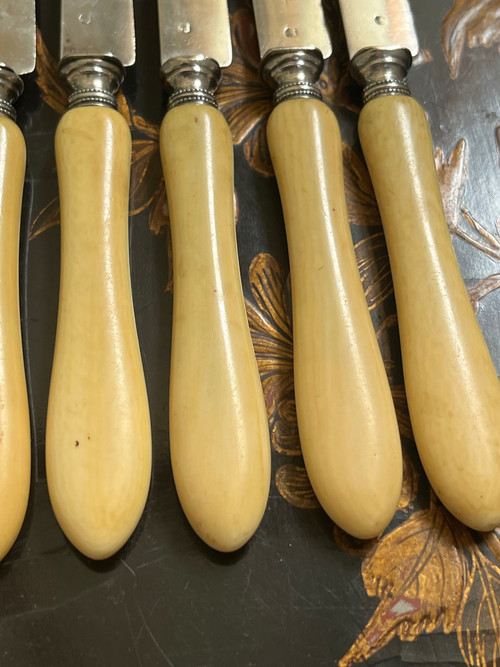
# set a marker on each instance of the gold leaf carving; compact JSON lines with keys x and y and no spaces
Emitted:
{"x":452,"y":175}
{"x":350,"y":544}
{"x":482,"y":288}
{"x":294,"y":485}
{"x":48,"y":217}
{"x":422,"y":576}
{"x":469,"y":22}
{"x":361,"y":202}
{"x":479,"y":631}
{"x":487,"y":242}
{"x":373,"y":265}
{"x":52,"y":90}
{"x":401,"y":406}
{"x":271,"y":330}
{"x":410,"y":483}
{"x":243,"y":97}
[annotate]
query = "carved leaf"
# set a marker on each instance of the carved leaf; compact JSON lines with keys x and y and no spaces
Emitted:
{"x":422,"y":576}
{"x":48,"y":217}
{"x":270,"y":327}
{"x":373,"y":265}
{"x":401,"y":406}
{"x":472,"y":22}
{"x":387,"y":334}
{"x":146,"y":175}
{"x":52,"y":90}
{"x":409,"y":488}
{"x":243,"y":97}
{"x":483,"y":288}
{"x":479,"y":633}
{"x":361,"y":202}
{"x":350,"y":544}
{"x":452,"y":174}
{"x":294,"y":485}
{"x":488,"y":243}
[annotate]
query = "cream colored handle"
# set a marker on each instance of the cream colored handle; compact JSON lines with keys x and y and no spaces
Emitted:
{"x":346,"y":418}
{"x":98,"y":445}
{"x":15,"y":440}
{"x":451,"y":384}
{"x":219,"y":439}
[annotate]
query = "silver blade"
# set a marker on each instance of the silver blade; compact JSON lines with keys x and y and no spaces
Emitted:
{"x":291,"y":24}
{"x":98,"y":28}
{"x":195,"y":29}
{"x":380,"y":24}
{"x":18,"y":35}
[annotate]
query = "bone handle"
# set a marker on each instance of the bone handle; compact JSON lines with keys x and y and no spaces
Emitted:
{"x":346,"y":417}
{"x":98,"y":448}
{"x":15,"y":451}
{"x":219,"y":438}
{"x":451,"y":384}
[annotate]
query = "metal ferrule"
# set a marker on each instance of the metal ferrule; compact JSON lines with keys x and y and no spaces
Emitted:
{"x":294,"y":73}
{"x":382,"y":72}
{"x":93,"y":81}
{"x":11,"y":86}
{"x":191,"y":80}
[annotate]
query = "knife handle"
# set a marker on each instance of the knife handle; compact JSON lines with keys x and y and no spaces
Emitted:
{"x":346,"y":418}
{"x":98,"y":445}
{"x":15,"y":437}
{"x":219,"y":437}
{"x":451,"y":384}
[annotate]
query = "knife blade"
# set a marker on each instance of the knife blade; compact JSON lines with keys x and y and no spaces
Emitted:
{"x":451,"y":383}
{"x":98,"y":441}
{"x":346,"y":418}
{"x":219,"y":439}
{"x":17,"y":56}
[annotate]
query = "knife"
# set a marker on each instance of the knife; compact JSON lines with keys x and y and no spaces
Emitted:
{"x":98,"y":443}
{"x":219,"y":437}
{"x":17,"y":55}
{"x":451,"y":384}
{"x":346,"y":418}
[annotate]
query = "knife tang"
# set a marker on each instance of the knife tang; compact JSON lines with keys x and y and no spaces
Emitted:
{"x":219,"y":438}
{"x":451,"y":383}
{"x":346,"y":418}
{"x":98,"y":442}
{"x":17,"y":55}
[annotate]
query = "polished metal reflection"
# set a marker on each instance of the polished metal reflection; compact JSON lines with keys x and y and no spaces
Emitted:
{"x":191,"y":28}
{"x":290,"y":25}
{"x":98,"y":28}
{"x":380,"y":24}
{"x":18,"y":35}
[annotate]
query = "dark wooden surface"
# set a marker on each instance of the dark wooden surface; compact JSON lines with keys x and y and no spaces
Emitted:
{"x":301,"y":592}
